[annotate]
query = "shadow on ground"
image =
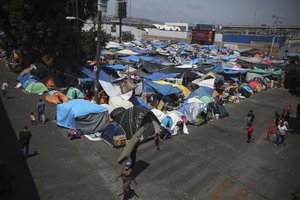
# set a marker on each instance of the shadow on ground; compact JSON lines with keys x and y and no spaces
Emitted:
{"x":17,"y":182}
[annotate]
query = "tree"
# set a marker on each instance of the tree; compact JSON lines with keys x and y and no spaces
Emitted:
{"x":292,"y":78}
{"x":41,"y":27}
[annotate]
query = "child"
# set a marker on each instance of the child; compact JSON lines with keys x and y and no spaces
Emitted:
{"x":32,"y":118}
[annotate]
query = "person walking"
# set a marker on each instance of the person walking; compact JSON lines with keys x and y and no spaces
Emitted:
{"x":127,"y":177}
{"x":4,"y":88}
{"x":41,"y":111}
{"x":250,"y":117}
{"x":249,"y":133}
{"x":24,"y":140}
{"x":32,"y":119}
{"x":281,"y":133}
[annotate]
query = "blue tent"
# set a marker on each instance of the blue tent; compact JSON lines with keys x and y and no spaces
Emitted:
{"x":159,"y":76}
{"x":202,"y":91}
{"x":164,"y":90}
{"x":26,"y":77}
{"x":191,"y":111}
{"x":82,"y":115}
{"x":229,"y":57}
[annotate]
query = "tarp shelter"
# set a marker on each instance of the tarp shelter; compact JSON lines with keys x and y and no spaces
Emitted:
{"x":256,"y":86}
{"x":28,"y":82}
{"x":26,"y":77}
{"x":36,"y":88}
{"x":164,"y":90}
{"x":202,"y":91}
{"x":184,"y":90}
{"x":74,"y":93}
{"x":82,"y":115}
{"x":126,"y":52}
{"x":136,"y":117}
{"x":56,"y":97}
{"x":207,"y":83}
{"x":192,"y":110}
{"x":156,"y":76}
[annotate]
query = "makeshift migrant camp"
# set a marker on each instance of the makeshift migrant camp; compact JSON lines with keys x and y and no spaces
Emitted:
{"x":56,"y":97}
{"x":85,"y":116}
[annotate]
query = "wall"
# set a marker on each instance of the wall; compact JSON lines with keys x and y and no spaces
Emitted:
{"x":136,"y":32}
{"x":248,"y":39}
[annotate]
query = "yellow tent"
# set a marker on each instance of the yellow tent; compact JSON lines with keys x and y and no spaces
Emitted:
{"x":184,"y":90}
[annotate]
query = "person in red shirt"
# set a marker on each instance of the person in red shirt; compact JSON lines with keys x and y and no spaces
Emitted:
{"x":250,"y":131}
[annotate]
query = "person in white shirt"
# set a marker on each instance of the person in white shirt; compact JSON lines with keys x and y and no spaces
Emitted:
{"x":4,"y":88}
{"x":282,"y":132}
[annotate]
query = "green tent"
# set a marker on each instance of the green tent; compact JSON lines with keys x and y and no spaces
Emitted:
{"x":261,"y":71}
{"x":130,"y":145}
{"x":36,"y":88}
{"x":278,"y":72}
{"x":74,"y":93}
{"x":206,"y":99}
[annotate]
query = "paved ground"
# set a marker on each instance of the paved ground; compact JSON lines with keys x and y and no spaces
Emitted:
{"x":213,"y":162}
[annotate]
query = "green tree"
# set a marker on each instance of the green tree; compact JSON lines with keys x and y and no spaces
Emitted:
{"x":40,"y":27}
{"x":292,"y":78}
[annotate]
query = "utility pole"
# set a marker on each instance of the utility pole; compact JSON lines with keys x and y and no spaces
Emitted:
{"x":102,"y":7}
{"x":122,"y":13}
{"x":276,"y":22}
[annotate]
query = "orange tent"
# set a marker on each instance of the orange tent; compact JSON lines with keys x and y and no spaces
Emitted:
{"x":56,"y":97}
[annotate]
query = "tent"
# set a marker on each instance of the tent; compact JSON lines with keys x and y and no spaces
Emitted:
{"x":36,"y":88}
{"x":136,"y":117}
{"x":222,"y":110}
{"x":156,"y":76}
{"x":201,"y":91}
{"x":74,"y":93}
{"x":82,"y":115}
{"x":56,"y":97}
{"x":184,"y":90}
{"x":256,"y":86}
{"x":114,"y":134}
{"x":192,"y":110}
{"x":164,"y":90}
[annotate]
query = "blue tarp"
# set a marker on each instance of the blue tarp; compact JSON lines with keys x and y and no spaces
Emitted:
{"x":246,"y":87}
{"x":219,"y":69}
{"x":143,"y":103}
{"x":68,"y":111}
{"x":26,"y":77}
{"x":192,"y":110}
{"x":159,"y":76}
{"x":293,"y":54}
{"x":183,"y":52}
{"x":184,"y":43}
{"x":161,"y":89}
{"x":136,"y":58}
{"x":202,"y":91}
{"x":103,"y":76}
{"x":229,"y":57}
{"x":197,"y":60}
{"x":116,"y":67}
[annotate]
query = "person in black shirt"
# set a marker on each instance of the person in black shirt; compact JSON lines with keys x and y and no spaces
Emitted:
{"x":250,"y":117}
{"x":24,"y":140}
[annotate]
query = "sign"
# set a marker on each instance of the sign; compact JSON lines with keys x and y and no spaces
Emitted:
{"x":203,"y":36}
